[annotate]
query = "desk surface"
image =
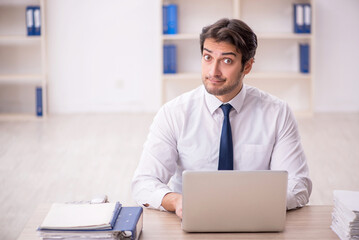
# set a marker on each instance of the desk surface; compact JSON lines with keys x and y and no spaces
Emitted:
{"x":310,"y":222}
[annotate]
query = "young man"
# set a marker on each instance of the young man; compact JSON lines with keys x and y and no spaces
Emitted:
{"x":223,"y":124}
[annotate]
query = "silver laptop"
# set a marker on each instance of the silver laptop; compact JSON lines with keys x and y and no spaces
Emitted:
{"x":234,"y":201}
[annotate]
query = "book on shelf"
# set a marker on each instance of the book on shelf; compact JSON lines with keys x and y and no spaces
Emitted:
{"x":128,"y":225}
{"x":33,"y":20}
{"x":304,"y":58}
{"x":170,"y":19}
{"x":29,"y":20}
{"x":39,"y":108}
{"x":169,"y":58}
{"x":302,"y":18}
{"x":307,"y":18}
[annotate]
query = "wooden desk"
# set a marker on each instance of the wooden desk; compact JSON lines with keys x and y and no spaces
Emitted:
{"x":311,"y":222}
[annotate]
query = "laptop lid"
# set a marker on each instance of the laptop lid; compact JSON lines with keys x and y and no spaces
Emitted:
{"x":234,"y":201}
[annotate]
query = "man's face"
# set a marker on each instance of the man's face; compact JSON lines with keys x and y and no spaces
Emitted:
{"x":222,"y":72}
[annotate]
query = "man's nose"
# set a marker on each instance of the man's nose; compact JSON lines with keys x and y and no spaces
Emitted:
{"x":215,"y":69}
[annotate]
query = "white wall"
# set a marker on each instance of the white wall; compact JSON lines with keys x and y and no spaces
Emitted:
{"x":104,"y":56}
{"x":337,"y":63}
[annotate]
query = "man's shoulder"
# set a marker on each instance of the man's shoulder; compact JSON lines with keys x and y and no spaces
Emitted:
{"x":264,"y":98}
{"x":192,"y":98}
{"x":183,"y":106}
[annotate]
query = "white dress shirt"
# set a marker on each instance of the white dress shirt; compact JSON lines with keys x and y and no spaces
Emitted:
{"x":186,"y":132}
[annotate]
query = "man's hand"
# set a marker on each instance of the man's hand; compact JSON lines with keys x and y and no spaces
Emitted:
{"x":173,"y":202}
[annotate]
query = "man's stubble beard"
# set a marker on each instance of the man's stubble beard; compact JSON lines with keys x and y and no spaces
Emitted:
{"x":224,"y":89}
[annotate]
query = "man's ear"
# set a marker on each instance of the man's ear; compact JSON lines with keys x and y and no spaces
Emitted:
{"x":248,"y":66}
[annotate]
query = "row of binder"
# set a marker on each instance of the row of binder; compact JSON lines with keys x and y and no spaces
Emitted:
{"x":39,"y":108}
{"x":302,"y":17}
{"x":304,"y":55}
{"x":33,"y":26}
{"x":170,"y":19}
{"x":33,"y":20}
{"x":170,"y":58}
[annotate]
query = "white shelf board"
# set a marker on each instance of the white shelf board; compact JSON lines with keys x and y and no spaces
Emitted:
{"x":181,"y":36}
{"x":14,"y":39}
{"x":181,"y":76}
{"x":19,"y":117}
{"x":21,"y":78}
{"x":254,"y":75}
{"x":195,"y":36}
{"x":294,"y":36}
{"x":19,"y":2}
{"x":278,"y":75}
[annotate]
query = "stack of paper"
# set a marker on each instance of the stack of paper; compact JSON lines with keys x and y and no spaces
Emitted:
{"x":81,"y":216}
{"x":345,"y":216}
{"x":91,"y":221}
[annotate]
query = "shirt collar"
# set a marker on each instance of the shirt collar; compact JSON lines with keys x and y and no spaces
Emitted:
{"x":214,"y":103}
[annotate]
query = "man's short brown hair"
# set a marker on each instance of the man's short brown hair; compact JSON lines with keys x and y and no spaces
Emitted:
{"x":233,"y":31}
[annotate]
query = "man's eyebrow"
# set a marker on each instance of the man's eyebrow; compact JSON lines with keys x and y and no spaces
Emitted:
{"x":207,"y":50}
{"x":229,"y":53}
{"x":223,"y":54}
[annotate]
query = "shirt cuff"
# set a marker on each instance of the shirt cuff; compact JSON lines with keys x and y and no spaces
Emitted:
{"x":156,"y":198}
{"x":291,"y":201}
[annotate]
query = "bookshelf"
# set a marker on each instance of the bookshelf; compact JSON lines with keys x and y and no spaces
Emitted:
{"x":22,"y":61}
{"x":276,"y":68}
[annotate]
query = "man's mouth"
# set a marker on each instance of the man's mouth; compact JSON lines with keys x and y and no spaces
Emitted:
{"x":215,"y":79}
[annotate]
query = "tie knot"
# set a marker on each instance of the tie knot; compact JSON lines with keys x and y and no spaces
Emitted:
{"x":226,"y":108}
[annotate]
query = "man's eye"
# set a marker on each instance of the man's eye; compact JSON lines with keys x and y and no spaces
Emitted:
{"x":207,"y":57}
{"x":227,"y":61}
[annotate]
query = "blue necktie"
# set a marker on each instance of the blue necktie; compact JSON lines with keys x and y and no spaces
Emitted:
{"x":226,"y":145}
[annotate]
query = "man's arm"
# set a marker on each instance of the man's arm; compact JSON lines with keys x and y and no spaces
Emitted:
{"x":288,"y":155}
{"x":157,"y":164}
